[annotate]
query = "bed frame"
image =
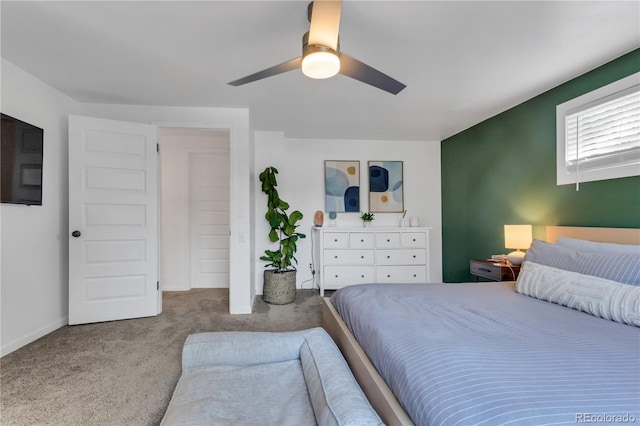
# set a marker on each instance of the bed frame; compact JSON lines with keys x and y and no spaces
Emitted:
{"x":379,"y":394}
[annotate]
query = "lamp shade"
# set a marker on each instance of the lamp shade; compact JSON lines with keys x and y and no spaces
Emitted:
{"x":320,"y":64}
{"x":517,"y":236}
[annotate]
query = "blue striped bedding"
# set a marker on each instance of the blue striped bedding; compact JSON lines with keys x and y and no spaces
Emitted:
{"x":482,"y":354}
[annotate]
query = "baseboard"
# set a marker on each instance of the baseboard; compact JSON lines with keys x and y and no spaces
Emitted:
{"x":33,"y":336}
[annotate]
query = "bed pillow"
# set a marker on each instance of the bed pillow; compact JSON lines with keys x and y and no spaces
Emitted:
{"x":623,"y":268}
{"x":593,"y":246}
{"x":593,"y":295}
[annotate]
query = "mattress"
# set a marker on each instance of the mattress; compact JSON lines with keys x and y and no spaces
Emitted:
{"x":480,"y":353}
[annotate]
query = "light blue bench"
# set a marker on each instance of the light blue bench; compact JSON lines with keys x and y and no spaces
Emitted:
{"x":258,"y":378}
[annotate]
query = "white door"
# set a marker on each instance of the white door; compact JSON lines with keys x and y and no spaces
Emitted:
{"x":209,"y":218}
{"x":113,"y":220}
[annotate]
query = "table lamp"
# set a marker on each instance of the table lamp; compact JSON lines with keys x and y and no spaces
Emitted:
{"x":517,"y":237}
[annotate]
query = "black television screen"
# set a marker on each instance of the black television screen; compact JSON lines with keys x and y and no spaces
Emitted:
{"x":20,"y":162}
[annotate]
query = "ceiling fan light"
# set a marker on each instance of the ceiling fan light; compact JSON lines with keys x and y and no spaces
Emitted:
{"x":320,"y":64}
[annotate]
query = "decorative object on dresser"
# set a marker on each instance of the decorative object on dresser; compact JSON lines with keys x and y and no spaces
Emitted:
{"x":375,"y":255}
{"x":494,"y":270}
{"x":367,"y":218}
{"x":386,"y":187}
{"x":342,"y":186}
{"x":280,"y":282}
{"x":403,"y":221}
{"x":332,"y":218}
{"x":318,"y":218}
{"x":517,"y":237}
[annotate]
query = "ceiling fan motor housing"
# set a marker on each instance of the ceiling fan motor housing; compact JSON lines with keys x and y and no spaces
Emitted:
{"x":311,"y":48}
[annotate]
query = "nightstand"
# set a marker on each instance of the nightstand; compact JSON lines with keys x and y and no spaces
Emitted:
{"x":493,"y":270}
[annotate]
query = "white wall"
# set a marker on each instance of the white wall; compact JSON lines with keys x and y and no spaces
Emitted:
{"x":236,"y":120}
{"x":34,"y":239}
{"x":300,"y":163}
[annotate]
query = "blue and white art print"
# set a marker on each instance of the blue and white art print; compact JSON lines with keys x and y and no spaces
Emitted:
{"x":342,"y":186}
{"x":386,"y":189}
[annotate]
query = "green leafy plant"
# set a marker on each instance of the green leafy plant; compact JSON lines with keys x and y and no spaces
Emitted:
{"x":283,"y":225}
{"x":367,"y":217}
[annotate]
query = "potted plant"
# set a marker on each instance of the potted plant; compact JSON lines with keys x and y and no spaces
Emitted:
{"x":367,"y":218}
{"x":279,"y":282}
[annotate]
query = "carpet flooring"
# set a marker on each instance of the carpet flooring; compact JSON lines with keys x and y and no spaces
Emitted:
{"x":124,"y":372}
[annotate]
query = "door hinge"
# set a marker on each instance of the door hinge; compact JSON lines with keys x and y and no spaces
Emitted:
{"x":157,"y":147}
{"x":157,"y":285}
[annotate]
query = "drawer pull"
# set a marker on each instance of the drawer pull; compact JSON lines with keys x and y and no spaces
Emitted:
{"x":361,"y":276}
{"x":388,"y":257}
{"x":414,"y":256}
{"x":485,"y":270}
{"x":388,"y":276}
{"x":335,"y":257}
{"x":388,"y":240}
{"x":336,"y":240}
{"x":362,"y":241}
{"x":414,"y":240}
{"x":414,"y":275}
{"x":361,"y":257}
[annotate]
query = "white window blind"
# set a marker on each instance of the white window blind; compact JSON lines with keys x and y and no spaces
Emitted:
{"x":604,"y":134}
{"x":599,"y":133}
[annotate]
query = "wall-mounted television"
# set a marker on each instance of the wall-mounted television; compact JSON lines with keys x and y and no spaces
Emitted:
{"x":20,"y":162}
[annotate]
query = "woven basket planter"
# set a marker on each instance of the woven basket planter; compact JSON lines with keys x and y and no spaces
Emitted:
{"x":279,"y":287}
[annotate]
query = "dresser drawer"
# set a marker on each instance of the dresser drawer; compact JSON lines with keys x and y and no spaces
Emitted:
{"x":360,"y":240}
{"x":413,"y":239}
{"x":335,"y":240}
{"x":388,"y":240}
{"x":401,"y":274}
{"x":348,"y":257}
{"x":401,"y":257}
{"x":339,"y":276}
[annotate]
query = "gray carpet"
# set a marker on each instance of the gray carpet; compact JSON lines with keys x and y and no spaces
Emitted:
{"x":124,"y":372}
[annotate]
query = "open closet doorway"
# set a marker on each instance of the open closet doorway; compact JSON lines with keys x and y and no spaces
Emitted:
{"x":194,"y":208}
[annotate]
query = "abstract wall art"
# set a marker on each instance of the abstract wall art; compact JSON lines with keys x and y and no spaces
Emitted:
{"x":386,"y":189}
{"x":342,"y":186}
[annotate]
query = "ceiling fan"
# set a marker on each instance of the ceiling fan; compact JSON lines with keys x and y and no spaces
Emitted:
{"x":321,"y":55}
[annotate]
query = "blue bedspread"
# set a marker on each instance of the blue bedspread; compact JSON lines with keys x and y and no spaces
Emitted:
{"x":482,"y":354}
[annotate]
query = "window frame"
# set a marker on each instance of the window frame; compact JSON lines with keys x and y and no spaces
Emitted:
{"x":566,"y":176}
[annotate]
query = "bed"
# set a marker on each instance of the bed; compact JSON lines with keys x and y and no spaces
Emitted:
{"x":482,"y":353}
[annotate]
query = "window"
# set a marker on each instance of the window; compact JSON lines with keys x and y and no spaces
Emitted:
{"x":598,"y":134}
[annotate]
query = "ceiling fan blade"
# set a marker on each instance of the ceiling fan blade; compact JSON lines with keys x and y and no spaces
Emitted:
{"x":325,"y":23}
{"x":274,"y":70}
{"x":362,"y":72}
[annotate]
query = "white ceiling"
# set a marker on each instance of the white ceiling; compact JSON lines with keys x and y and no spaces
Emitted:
{"x":462,"y":62}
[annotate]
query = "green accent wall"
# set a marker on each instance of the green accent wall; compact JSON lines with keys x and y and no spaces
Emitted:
{"x":503,"y":171}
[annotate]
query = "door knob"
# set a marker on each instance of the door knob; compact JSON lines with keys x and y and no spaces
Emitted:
{"x":76,"y":234}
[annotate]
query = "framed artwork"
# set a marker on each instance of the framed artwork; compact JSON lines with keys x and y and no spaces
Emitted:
{"x":386,"y":188}
{"x":342,"y":186}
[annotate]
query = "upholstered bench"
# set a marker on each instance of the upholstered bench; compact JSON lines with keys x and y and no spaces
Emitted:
{"x":258,"y":378}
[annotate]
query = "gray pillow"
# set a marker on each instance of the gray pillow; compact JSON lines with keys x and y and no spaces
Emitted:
{"x":622,"y":268}
{"x":593,"y":246}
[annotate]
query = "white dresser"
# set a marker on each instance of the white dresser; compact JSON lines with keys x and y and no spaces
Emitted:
{"x":346,"y":256}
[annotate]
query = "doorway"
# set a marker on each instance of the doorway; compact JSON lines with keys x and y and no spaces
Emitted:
{"x":194,"y":208}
